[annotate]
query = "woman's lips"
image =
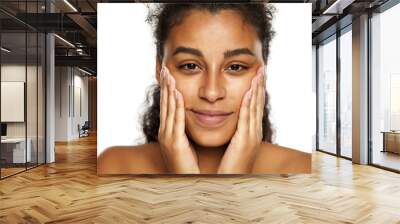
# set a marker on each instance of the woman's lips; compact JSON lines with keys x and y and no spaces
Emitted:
{"x":211,"y":118}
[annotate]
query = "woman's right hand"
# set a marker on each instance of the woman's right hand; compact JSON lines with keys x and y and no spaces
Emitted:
{"x":179,"y":155}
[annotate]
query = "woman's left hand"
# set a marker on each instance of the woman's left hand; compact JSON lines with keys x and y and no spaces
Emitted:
{"x":240,"y":155}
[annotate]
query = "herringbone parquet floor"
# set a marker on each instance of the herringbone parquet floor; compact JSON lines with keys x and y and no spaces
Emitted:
{"x":69,"y":191}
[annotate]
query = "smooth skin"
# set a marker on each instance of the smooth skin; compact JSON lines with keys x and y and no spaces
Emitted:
{"x":178,"y":153}
{"x":211,"y":62}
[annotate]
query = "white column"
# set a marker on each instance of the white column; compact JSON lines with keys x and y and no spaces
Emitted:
{"x":50,"y":93}
{"x":360,"y":90}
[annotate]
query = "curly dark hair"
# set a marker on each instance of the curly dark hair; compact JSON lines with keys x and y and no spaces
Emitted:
{"x":164,"y":16}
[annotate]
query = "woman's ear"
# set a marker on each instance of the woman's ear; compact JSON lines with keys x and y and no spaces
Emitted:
{"x":158,"y":69}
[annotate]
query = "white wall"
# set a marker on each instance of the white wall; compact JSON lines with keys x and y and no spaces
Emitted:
{"x":121,"y":83}
{"x":80,"y":82}
{"x":16,"y":72}
{"x":61,"y":103}
{"x":67,"y":116}
{"x":289,"y":77}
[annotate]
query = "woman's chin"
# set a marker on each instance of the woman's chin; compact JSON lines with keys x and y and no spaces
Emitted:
{"x":210,"y":139}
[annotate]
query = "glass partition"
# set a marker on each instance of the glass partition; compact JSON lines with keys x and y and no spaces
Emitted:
{"x":327,"y":95}
{"x":33,"y":61}
{"x":22,"y":77}
{"x":31,"y":100}
{"x":13,"y":103}
{"x":41,"y":111}
{"x":346,"y":93}
{"x":385,"y":89}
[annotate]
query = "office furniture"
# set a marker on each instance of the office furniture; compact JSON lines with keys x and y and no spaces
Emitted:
{"x":84,"y":130}
{"x":391,"y":141}
{"x":13,"y":150}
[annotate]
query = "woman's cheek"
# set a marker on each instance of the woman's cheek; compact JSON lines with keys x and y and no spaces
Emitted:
{"x":187,"y":94}
{"x":238,"y":90}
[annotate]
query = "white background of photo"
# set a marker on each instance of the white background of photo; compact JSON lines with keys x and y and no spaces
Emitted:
{"x":126,"y":67}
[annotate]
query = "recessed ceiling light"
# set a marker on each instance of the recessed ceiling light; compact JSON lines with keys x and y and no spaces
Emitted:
{"x":70,"y":5}
{"x":65,"y":41}
{"x":84,"y":71}
{"x":337,"y":7}
{"x":5,"y":50}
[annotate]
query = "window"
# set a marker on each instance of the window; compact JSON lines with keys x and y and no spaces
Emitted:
{"x":346,"y":92}
{"x":327,"y":95}
{"x":385,"y":88}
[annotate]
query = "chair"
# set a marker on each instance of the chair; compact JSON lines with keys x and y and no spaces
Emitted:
{"x":84,"y":130}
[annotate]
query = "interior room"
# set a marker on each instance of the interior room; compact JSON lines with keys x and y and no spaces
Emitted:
{"x":49,"y":145}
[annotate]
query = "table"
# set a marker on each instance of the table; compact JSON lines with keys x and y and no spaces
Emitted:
{"x":391,"y":141}
{"x":13,"y":150}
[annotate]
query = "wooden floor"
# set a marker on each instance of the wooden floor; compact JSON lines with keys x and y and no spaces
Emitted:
{"x":10,"y":171}
{"x":69,"y":191}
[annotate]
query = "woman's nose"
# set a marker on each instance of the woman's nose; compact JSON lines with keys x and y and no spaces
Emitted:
{"x":212,"y":88}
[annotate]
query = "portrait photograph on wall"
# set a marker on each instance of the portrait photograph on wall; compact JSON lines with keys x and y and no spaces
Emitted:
{"x":204,"y":88}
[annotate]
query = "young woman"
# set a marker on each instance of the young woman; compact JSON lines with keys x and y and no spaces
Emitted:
{"x":209,"y":111}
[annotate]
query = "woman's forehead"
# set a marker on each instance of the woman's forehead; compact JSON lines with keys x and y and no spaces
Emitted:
{"x":223,"y":30}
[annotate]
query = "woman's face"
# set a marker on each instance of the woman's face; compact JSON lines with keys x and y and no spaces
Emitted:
{"x":213,"y":58}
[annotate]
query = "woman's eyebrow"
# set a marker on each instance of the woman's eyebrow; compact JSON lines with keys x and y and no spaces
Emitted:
{"x":231,"y":53}
{"x":188,"y":50}
{"x":227,"y":54}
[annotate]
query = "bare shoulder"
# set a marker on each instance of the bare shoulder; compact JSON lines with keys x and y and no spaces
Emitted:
{"x":277,"y":159}
{"x":141,"y":159}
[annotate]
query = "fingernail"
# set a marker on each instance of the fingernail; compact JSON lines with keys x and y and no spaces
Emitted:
{"x":168,"y":78}
{"x":162,"y":74}
{"x":256,"y":82}
{"x":248,"y":95}
{"x":176,"y":94}
{"x":172,"y":81}
{"x":253,"y":81}
{"x":261,"y":78}
{"x":261,"y":70}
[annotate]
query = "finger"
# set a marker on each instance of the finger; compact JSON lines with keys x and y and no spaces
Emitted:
{"x":171,"y":104}
{"x":179,"y":114}
{"x":260,"y":95}
{"x":253,"y":105}
{"x":163,"y":101}
{"x":243,"y":122}
{"x":260,"y":103}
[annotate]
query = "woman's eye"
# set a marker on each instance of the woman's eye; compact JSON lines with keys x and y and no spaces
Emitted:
{"x":189,"y":66}
{"x":236,"y":67}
